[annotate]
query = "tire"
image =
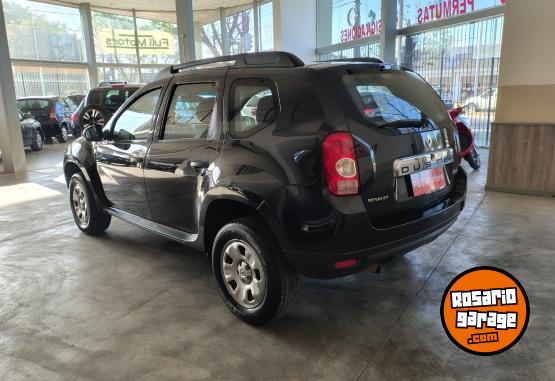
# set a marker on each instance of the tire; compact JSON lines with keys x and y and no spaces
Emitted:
{"x":472,"y":108}
{"x":93,"y":116}
{"x":254,"y":262}
{"x":473,"y":159}
{"x":38,"y":141}
{"x":88,"y":215}
{"x":62,"y":136}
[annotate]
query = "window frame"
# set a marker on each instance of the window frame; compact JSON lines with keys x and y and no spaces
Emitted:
{"x":132,"y":100}
{"x":250,"y":81}
{"x":167,"y":110}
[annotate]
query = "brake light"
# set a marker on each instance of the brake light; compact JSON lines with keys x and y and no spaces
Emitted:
{"x":340,"y":164}
{"x":53,"y":113}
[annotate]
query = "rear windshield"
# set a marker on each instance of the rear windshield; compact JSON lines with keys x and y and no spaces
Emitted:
{"x":111,"y":98}
{"x":27,"y":105}
{"x":389,"y":98}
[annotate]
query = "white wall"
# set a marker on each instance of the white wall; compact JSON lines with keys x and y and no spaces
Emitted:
{"x":295,"y":27}
{"x":528,"y":51}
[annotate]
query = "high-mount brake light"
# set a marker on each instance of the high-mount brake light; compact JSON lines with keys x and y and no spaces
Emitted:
{"x":340,"y":164}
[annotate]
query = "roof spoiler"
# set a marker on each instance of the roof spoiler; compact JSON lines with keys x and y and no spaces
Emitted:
{"x":243,"y":60}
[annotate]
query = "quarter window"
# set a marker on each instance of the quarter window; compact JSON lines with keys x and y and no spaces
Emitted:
{"x":137,"y":121}
{"x":253,"y":106}
{"x":191,"y":112}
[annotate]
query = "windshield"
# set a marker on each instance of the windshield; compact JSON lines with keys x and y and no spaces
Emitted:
{"x":396,"y":98}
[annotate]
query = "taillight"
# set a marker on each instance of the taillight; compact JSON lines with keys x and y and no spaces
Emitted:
{"x":340,"y":164}
{"x":74,"y":117}
{"x":53,"y":114}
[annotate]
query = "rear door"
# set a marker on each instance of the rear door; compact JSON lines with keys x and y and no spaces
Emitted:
{"x":120,"y":159}
{"x":181,"y":160}
{"x":404,"y":137}
{"x":39,"y":108}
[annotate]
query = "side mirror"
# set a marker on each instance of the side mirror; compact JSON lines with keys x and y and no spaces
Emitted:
{"x":91,"y":134}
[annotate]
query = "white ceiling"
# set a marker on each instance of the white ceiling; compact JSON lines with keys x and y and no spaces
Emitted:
{"x":163,"y":10}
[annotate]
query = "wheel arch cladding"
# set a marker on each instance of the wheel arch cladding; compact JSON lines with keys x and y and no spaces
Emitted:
{"x":70,"y":168}
{"x":222,"y":211}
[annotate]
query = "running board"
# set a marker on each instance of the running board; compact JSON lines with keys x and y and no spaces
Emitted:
{"x":154,"y":227}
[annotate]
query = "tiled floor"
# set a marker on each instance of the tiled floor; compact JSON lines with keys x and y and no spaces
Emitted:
{"x":131,"y":305}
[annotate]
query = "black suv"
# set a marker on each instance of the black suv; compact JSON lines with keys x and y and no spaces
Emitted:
{"x":52,"y":112}
{"x":98,"y":106}
{"x":344,"y":165}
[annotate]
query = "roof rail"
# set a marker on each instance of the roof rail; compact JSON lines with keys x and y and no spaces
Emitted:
{"x":108,"y":83}
{"x":359,"y":59}
{"x":243,"y":60}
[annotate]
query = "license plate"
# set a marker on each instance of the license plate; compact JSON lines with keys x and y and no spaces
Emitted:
{"x":427,"y":181}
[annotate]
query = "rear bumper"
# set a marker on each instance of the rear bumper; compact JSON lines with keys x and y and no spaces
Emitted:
{"x":51,"y":130}
{"x":368,"y":245}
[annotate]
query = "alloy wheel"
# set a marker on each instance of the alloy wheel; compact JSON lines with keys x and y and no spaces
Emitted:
{"x":243,"y":274}
{"x":93,"y":118}
{"x":80,"y":205}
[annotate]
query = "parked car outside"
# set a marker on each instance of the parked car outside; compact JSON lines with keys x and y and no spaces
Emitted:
{"x":52,"y":112}
{"x":100,"y":103}
{"x":346,"y":165}
{"x":31,"y":132}
{"x":484,"y":101}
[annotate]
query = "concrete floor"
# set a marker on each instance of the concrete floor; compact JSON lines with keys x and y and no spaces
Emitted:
{"x":130,"y":305}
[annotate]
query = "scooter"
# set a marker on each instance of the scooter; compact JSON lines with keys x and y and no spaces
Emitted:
{"x":468,"y":148}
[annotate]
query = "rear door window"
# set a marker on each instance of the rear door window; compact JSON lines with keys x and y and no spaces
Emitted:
{"x":393,"y":98}
{"x":191,"y":112}
{"x":253,"y":106}
{"x":27,"y":105}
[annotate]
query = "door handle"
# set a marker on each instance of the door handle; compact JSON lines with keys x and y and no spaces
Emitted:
{"x":135,"y":160}
{"x":198,"y":164}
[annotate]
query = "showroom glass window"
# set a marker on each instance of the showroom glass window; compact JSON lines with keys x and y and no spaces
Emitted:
{"x":341,"y":21}
{"x":157,"y":42}
{"x":38,"y":31}
{"x":417,"y":12}
{"x":137,"y":121}
{"x":239,"y":27}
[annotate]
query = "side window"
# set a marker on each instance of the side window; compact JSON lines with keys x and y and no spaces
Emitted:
{"x":253,"y":106}
{"x":137,"y":121}
{"x":191,"y":112}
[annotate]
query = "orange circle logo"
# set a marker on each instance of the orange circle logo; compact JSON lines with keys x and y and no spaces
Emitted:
{"x":485,"y":311}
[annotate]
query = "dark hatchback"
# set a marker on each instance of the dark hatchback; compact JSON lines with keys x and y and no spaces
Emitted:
{"x":52,"y":112}
{"x":344,"y":165}
{"x":31,"y":132}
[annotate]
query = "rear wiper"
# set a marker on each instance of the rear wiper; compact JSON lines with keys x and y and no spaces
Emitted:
{"x":406,"y":123}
